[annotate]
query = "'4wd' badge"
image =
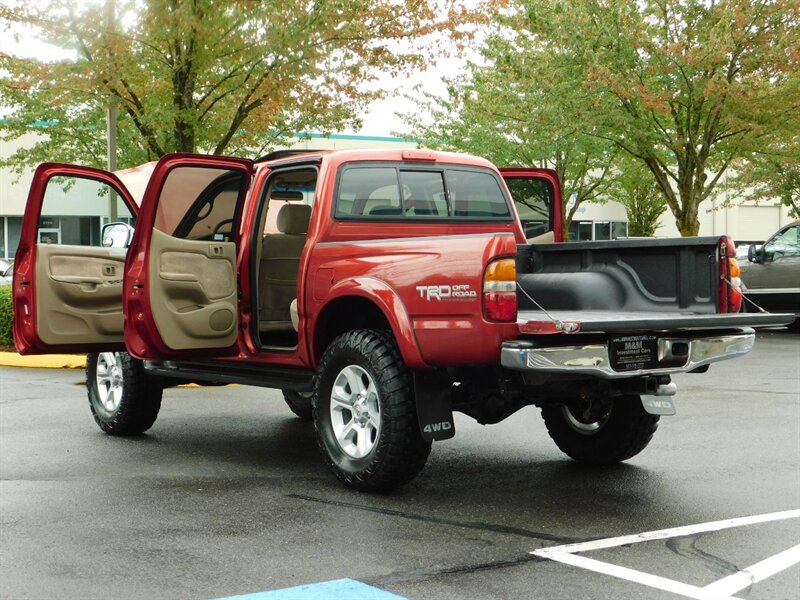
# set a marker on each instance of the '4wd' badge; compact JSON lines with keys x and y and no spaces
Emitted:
{"x":446,"y":292}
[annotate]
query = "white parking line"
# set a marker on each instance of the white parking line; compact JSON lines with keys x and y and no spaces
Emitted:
{"x":723,"y":588}
{"x":757,"y":572}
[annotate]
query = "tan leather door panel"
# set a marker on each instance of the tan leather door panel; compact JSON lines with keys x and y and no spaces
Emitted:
{"x":79,"y":294}
{"x":193,"y":291}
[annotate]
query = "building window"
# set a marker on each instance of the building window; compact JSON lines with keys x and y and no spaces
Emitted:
{"x":581,"y":231}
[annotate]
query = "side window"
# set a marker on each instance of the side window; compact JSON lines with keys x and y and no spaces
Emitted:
{"x":476,"y":194}
{"x":199,"y":203}
{"x":74,"y":210}
{"x":785,"y":244}
{"x":534,"y":199}
{"x":368,"y":191}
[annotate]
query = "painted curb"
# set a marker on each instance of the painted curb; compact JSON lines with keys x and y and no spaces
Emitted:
{"x":44,"y":361}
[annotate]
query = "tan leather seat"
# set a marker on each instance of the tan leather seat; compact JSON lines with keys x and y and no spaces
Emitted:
{"x":277,"y":273}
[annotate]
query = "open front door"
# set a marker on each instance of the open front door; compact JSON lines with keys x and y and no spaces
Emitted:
{"x":181,"y":286}
{"x":67,"y":284}
{"x":537,"y":196}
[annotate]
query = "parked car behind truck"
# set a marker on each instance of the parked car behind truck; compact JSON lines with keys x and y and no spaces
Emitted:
{"x":771,"y":275}
{"x":394,"y":288}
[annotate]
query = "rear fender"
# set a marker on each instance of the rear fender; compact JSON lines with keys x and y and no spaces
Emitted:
{"x":389,"y":303}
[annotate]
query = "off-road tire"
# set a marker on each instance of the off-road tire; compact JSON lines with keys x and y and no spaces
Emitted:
{"x":398,"y":452}
{"x":136,"y":408}
{"x":624,"y":431}
{"x":299,"y":404}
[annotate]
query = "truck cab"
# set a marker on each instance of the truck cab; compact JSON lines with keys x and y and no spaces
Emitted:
{"x":236,"y":258}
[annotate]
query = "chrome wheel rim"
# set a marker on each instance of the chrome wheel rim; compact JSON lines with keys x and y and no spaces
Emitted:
{"x":109,"y":380}
{"x":355,"y":411}
{"x":585,"y":419}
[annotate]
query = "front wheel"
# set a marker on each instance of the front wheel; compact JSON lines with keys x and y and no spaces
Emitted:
{"x":124,"y":400}
{"x":365,"y":414}
{"x":601,"y":431}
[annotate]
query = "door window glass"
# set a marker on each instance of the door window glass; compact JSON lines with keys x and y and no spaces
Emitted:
{"x":785,"y":244}
{"x":74,"y":210}
{"x":199,"y":203}
{"x":533,"y":199}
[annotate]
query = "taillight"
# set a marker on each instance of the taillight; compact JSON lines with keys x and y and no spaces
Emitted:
{"x":500,"y":291}
{"x":730,"y":284}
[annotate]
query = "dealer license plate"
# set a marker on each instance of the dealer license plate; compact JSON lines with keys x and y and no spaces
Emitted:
{"x":634,"y":352}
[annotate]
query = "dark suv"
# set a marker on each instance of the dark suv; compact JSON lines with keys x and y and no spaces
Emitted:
{"x":772,"y":277}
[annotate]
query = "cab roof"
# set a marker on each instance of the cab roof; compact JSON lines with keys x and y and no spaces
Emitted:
{"x":408,"y":155}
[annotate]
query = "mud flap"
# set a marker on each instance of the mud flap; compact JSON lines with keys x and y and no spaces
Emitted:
{"x":434,"y":411}
{"x":659,"y":405}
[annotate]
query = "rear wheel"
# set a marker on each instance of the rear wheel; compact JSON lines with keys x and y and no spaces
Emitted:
{"x":124,"y":400}
{"x":299,"y":403}
{"x":601,"y":431}
{"x":365,"y":414}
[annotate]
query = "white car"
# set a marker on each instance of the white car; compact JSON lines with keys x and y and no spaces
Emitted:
{"x":6,"y":272}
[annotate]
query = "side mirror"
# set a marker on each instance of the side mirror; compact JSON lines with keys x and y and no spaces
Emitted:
{"x":754,"y":254}
{"x":116,"y":235}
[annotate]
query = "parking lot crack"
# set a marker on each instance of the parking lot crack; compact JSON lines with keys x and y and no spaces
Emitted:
{"x":687,"y":547}
{"x":491,"y":527}
{"x":425,"y":575}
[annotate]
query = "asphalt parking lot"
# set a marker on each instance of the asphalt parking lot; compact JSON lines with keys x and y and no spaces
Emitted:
{"x":227,"y":495}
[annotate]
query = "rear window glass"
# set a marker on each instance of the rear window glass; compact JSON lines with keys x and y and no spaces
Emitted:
{"x":384,"y":192}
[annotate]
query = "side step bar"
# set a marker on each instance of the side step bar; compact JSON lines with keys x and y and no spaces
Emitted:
{"x":281,"y":378}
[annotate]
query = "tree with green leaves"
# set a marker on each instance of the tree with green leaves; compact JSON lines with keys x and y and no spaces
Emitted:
{"x":636,"y":189}
{"x":215,"y":76}
{"x":772,"y":174}
{"x":687,"y":87}
{"x":507,"y":109}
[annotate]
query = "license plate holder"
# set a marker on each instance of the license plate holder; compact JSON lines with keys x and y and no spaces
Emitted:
{"x":633,"y":352}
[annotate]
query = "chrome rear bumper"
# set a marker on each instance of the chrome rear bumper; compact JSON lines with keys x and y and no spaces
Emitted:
{"x":675,"y":355}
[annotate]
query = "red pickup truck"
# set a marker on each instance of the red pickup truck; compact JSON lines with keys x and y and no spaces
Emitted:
{"x":380,"y":290}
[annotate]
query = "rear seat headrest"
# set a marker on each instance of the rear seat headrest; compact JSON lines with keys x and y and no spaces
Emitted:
{"x":294,"y":218}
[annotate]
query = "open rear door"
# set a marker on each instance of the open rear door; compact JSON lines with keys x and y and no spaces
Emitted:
{"x":67,"y":285}
{"x":181,"y":286}
{"x":537,"y":196}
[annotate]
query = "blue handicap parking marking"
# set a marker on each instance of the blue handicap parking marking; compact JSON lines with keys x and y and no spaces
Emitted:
{"x":338,"y":589}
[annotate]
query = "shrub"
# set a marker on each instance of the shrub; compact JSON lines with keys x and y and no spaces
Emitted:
{"x":6,"y":341}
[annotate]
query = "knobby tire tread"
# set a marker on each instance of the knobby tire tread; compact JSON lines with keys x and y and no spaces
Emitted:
{"x":141,"y":400}
{"x":628,"y":432}
{"x":401,"y":452}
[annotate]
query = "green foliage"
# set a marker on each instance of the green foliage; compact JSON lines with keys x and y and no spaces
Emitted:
{"x":509,"y":110}
{"x":6,"y":317}
{"x":772,"y":174}
{"x":635,"y":188}
{"x":214,"y":76}
{"x":686,"y":87}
